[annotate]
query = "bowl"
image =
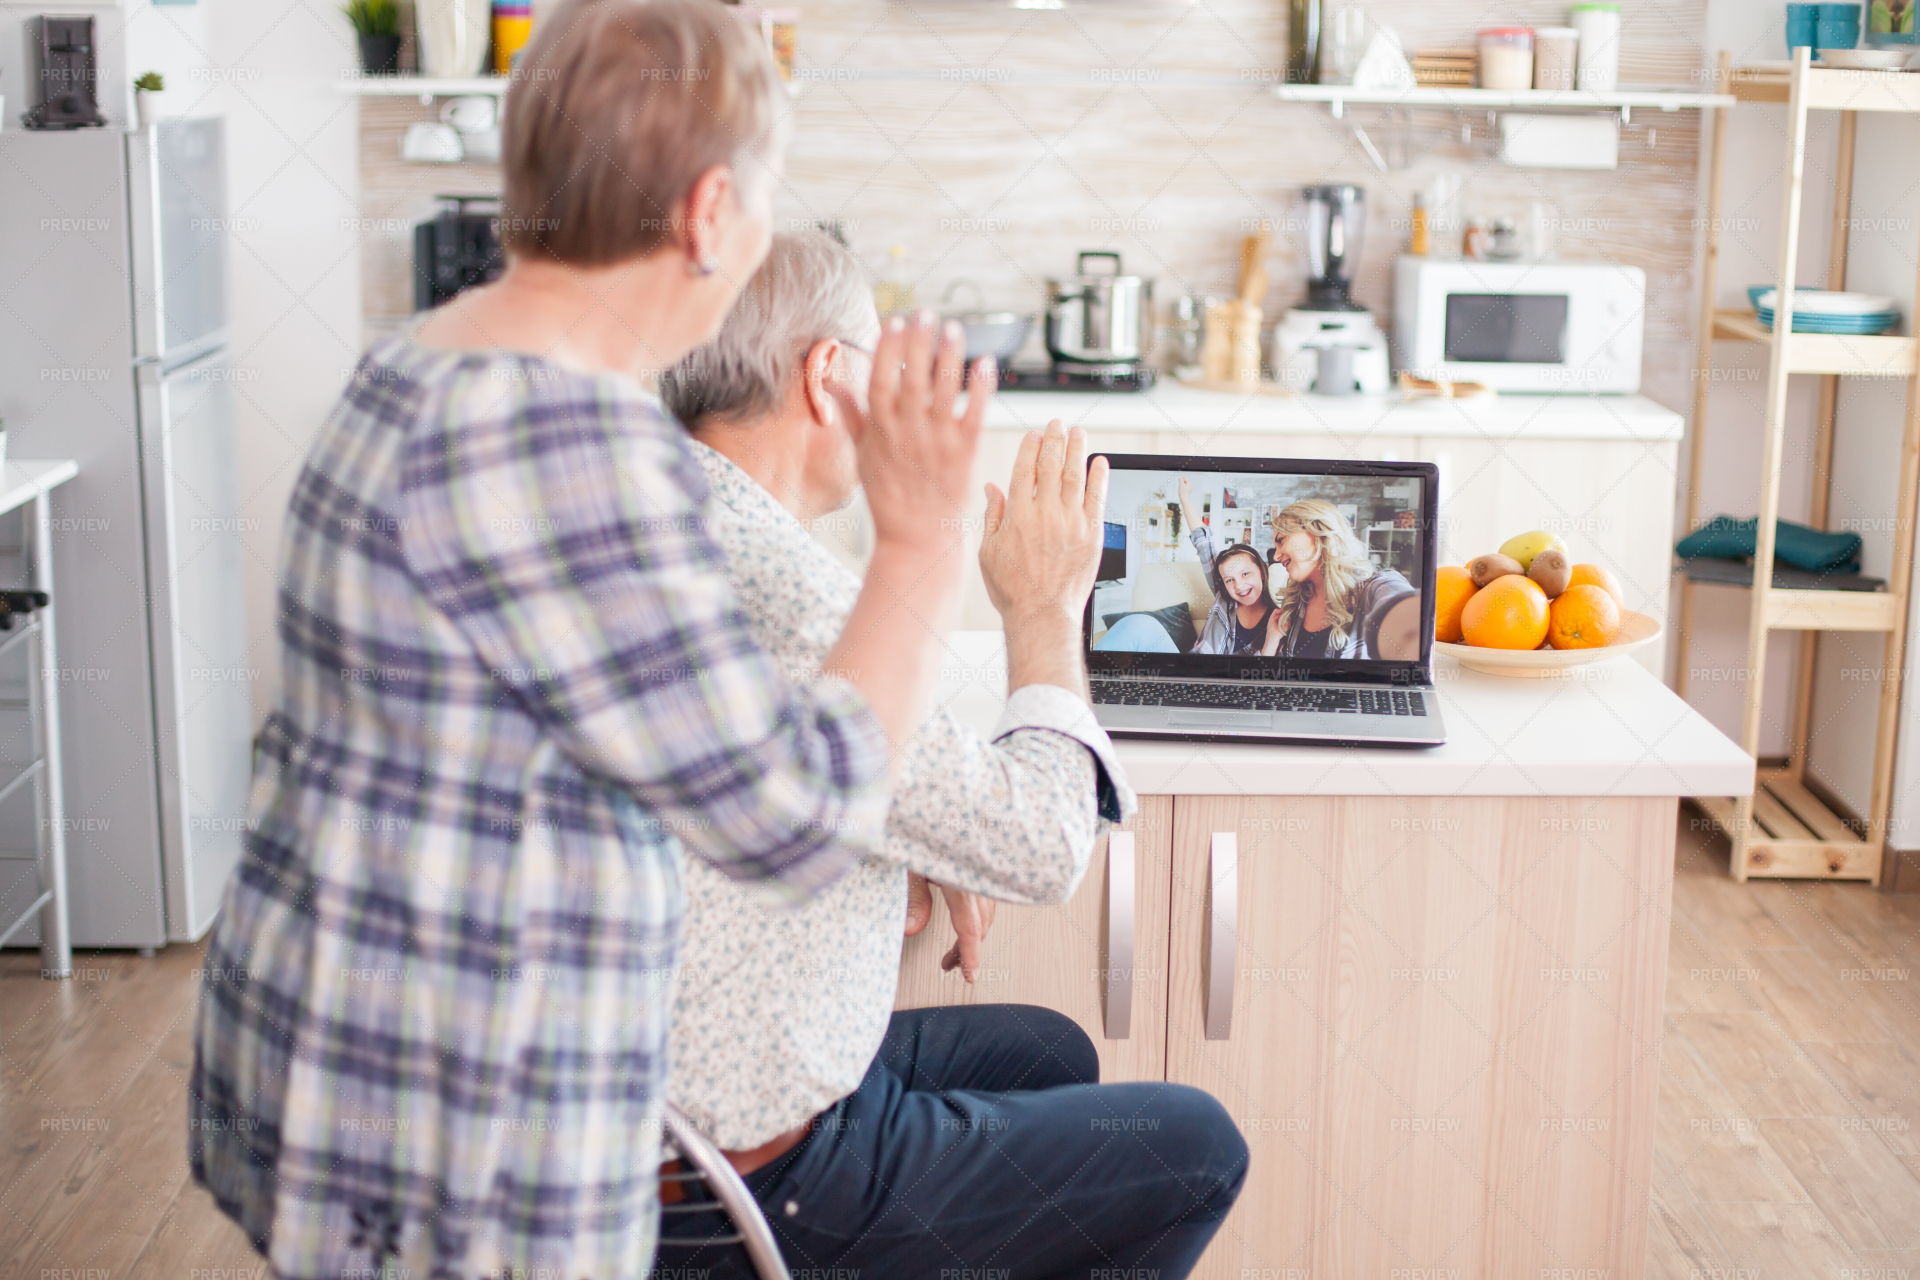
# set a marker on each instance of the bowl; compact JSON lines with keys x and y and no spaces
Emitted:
{"x":1637,"y":631}
{"x":993,"y":333}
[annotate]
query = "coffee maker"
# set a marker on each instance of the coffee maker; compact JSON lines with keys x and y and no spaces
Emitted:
{"x":65,"y":74}
{"x":1335,"y":219}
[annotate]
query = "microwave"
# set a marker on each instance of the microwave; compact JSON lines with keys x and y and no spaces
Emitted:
{"x":1572,"y":327}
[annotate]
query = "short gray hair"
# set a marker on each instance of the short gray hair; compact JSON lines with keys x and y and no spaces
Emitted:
{"x":809,"y":289}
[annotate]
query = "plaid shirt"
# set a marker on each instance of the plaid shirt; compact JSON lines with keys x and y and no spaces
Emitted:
{"x":515,"y":684}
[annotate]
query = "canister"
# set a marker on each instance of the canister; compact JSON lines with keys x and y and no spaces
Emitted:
{"x":1554,"y":57}
{"x":1506,"y":58}
{"x":512,"y":25}
{"x":1599,"y":57}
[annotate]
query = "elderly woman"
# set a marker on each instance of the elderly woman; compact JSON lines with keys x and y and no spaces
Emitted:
{"x":516,"y":683}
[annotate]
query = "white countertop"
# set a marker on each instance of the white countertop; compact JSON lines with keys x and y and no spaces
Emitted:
{"x":1611,"y":729}
{"x":1170,"y":406}
{"x":24,"y":479}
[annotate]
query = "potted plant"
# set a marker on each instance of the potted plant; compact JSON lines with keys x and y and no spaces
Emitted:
{"x":146,"y":98}
{"x":377,"y":23}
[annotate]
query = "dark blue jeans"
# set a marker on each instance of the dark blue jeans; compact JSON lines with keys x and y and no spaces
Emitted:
{"x":981,"y":1144}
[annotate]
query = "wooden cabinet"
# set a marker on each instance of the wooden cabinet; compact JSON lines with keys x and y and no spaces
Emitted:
{"x":1063,"y":957}
{"x":1437,"y":1020}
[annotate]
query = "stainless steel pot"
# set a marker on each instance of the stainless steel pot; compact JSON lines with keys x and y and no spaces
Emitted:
{"x":1104,"y":318}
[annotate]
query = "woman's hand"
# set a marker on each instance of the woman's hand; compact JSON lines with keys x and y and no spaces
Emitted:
{"x":1186,"y":504}
{"x":914,"y":451}
{"x":1275,"y":635}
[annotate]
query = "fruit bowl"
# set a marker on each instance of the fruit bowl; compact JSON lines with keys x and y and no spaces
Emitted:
{"x":1637,"y":631}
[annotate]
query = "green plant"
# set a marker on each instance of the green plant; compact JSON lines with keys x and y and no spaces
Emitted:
{"x":374,"y":17}
{"x":151,"y":80}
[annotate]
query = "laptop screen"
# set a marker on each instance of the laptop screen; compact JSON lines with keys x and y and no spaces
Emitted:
{"x":1288,"y":567}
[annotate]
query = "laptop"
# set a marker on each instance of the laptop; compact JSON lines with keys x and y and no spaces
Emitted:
{"x":1302,"y":613}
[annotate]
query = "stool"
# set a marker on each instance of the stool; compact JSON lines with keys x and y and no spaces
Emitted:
{"x":706,"y":1165}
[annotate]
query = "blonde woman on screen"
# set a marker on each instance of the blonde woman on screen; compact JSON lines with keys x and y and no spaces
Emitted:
{"x":1336,"y":603}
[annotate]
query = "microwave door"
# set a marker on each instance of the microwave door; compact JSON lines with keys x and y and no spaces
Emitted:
{"x":1506,"y":328}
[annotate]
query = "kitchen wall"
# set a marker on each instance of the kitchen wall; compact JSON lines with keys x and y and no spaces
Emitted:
{"x":995,"y":142}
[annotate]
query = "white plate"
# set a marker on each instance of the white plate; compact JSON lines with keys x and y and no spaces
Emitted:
{"x":1637,"y":631}
{"x":1822,"y":302}
{"x":1865,"y":59}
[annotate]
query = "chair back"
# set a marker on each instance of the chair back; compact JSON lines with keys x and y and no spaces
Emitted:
{"x":705,"y":1164}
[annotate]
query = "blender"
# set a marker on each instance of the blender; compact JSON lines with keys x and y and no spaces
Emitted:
{"x":1335,"y":219}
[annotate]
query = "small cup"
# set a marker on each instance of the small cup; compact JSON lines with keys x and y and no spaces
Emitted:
{"x":1837,"y":26}
{"x":1803,"y":21}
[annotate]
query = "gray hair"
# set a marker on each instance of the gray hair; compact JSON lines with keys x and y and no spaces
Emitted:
{"x":809,"y":289}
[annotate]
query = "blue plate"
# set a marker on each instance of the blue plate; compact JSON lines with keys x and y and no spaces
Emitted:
{"x":1825,"y":324}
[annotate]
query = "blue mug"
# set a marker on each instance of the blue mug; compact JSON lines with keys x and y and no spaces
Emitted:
{"x":1803,"y":21}
{"x":1837,"y":27}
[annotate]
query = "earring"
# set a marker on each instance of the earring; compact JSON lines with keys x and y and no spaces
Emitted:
{"x":705,"y":265}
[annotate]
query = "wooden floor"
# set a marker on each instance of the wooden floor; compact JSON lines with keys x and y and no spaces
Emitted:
{"x":1787,"y":1144}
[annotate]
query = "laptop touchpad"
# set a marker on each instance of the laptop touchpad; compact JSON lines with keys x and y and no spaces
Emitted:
{"x":1221,"y":719}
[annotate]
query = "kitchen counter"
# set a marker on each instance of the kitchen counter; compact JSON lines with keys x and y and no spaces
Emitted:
{"x":1611,"y":729}
{"x":1171,"y":406}
{"x":1427,"y":984}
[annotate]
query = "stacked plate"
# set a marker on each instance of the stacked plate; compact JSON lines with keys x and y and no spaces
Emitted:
{"x":1819,"y":311}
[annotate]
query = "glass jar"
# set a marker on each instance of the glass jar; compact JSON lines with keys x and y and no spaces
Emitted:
{"x":1506,"y":58}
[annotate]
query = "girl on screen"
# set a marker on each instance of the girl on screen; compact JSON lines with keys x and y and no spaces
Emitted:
{"x":1241,"y":619}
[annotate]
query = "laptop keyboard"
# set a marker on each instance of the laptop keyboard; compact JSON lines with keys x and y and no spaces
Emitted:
{"x":1247,"y":695}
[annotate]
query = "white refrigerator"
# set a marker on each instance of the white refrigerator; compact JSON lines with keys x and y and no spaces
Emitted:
{"x":114,"y":352}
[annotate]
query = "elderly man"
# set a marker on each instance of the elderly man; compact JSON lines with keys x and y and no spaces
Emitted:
{"x":936,"y":1141}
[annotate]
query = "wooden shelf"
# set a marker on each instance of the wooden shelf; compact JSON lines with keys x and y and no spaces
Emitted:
{"x":1792,"y":833}
{"x":1832,"y":88}
{"x":1832,"y":610}
{"x":1875,"y":356}
{"x":1782,"y":830}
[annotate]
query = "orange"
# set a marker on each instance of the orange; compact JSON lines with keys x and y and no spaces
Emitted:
{"x":1592,"y":575}
{"x":1583,"y":617}
{"x":1507,"y":613}
{"x":1451,"y":591}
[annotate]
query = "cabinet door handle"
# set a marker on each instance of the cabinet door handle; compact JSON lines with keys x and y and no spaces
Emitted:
{"x":1223,"y":873}
{"x":1120,"y":899}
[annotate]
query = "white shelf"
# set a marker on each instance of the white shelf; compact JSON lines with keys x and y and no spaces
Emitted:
{"x":1337,"y":96}
{"x":406,"y":86}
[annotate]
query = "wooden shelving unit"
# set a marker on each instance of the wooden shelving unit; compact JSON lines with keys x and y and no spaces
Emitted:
{"x":1783,"y":829}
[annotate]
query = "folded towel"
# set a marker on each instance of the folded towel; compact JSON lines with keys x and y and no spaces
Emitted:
{"x":1724,"y":538}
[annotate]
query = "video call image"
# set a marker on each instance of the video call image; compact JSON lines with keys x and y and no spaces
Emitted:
{"x":1286,"y":566}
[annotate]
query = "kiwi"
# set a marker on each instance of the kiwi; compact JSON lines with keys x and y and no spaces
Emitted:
{"x":1484,"y":569}
{"x":1551,"y":571}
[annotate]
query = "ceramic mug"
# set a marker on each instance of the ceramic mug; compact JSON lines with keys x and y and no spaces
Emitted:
{"x":1803,"y":21}
{"x":426,"y":142}
{"x":1837,"y":27}
{"x":469,"y":114}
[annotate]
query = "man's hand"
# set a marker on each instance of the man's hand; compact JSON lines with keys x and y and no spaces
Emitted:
{"x":1040,"y":553}
{"x":972,"y":916}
